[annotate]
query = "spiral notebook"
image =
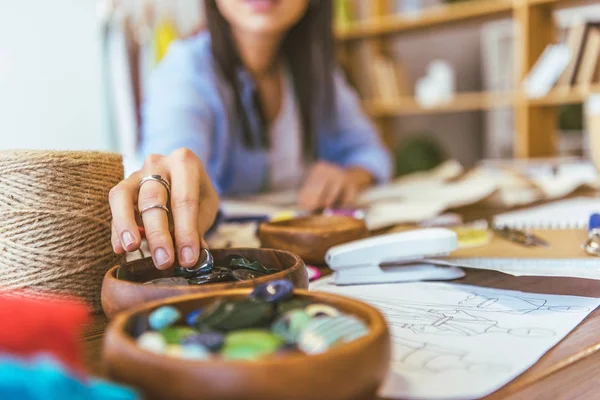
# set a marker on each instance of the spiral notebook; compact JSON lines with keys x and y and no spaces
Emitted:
{"x":565,"y":214}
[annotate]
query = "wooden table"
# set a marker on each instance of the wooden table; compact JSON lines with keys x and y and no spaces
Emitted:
{"x":568,"y":371}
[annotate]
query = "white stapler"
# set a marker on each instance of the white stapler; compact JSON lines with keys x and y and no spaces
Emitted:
{"x":395,"y":257}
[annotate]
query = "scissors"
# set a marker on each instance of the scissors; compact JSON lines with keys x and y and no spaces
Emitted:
{"x":519,"y":236}
{"x":592,"y":246}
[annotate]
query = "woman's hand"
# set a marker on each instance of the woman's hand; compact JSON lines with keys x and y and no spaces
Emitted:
{"x":193,"y":204}
{"x":328,"y":185}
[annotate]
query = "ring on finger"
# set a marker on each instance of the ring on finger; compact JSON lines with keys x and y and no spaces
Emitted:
{"x":156,"y":178}
{"x":150,"y":207}
{"x":208,"y":262}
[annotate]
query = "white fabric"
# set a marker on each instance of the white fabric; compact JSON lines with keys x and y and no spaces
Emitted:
{"x":285,"y":155}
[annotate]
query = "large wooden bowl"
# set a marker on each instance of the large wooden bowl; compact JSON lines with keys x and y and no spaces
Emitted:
{"x":351,"y":371}
{"x":118,"y":295}
{"x":311,"y":237}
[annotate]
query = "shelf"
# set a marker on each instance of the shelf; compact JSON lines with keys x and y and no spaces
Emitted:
{"x":562,"y":96}
{"x":427,"y":18}
{"x":442,"y":15}
{"x":477,"y":101}
{"x":561,"y":3}
{"x":462,"y":102}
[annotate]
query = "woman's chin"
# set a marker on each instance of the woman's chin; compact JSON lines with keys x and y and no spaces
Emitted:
{"x":263,"y":25}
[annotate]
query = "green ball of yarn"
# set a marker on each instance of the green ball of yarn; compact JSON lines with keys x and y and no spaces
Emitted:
{"x":418,"y":154}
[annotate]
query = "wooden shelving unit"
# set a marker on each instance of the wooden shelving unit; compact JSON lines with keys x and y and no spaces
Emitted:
{"x":462,"y":102}
{"x":435,"y":16}
{"x":562,"y":96}
{"x":535,"y":119}
{"x":478,"y":101}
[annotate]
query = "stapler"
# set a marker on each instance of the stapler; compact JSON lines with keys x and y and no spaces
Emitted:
{"x":395,"y":257}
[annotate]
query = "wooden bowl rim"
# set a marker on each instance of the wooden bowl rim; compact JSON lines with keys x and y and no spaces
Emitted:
{"x":111,"y":274}
{"x":376,"y":323}
{"x":288,"y":226}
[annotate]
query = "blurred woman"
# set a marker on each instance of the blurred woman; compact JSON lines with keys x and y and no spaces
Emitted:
{"x":255,"y":104}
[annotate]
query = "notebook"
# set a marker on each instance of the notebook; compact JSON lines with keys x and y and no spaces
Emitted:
{"x":565,"y":214}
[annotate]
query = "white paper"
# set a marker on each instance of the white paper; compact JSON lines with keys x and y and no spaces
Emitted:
{"x":585,"y":268}
{"x":237,"y":208}
{"x":571,"y":213}
{"x":385,"y":214}
{"x":453,"y":341}
{"x":470,"y":189}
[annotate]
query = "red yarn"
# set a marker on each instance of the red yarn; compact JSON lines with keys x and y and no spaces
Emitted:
{"x":52,"y":326}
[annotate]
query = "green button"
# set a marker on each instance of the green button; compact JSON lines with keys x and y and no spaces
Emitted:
{"x":175,"y":334}
{"x":250,"y":344}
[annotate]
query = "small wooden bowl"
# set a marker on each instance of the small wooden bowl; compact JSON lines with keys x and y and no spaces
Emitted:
{"x":118,"y":295}
{"x":351,"y":371}
{"x":311,"y":237}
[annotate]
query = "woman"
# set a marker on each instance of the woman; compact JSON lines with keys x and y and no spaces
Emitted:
{"x":254,"y":104}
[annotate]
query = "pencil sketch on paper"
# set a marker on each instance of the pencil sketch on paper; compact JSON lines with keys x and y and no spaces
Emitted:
{"x":423,"y":357}
{"x":455,"y":322}
{"x":513,"y":304}
{"x":505,"y":304}
{"x":449,"y":322}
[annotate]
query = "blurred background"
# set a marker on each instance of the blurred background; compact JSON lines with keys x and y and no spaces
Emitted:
{"x":442,"y":79}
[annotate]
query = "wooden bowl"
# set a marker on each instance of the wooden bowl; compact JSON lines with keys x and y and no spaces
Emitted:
{"x":311,"y":237}
{"x":351,"y":371}
{"x":118,"y":295}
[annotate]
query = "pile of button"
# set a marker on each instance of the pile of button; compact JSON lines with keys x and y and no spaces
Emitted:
{"x":271,"y":321}
{"x":233,"y":268}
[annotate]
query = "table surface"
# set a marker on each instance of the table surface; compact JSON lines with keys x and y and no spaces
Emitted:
{"x":567,"y":371}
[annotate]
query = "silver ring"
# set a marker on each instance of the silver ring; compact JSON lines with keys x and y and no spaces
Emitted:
{"x":156,"y":178}
{"x":208,"y":262}
{"x":154,"y":206}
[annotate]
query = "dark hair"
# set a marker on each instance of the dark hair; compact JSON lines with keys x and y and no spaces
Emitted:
{"x":307,"y":48}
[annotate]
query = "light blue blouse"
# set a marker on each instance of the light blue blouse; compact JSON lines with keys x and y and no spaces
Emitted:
{"x":185,"y":106}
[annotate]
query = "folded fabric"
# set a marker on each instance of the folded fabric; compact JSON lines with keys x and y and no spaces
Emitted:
{"x":43,"y":377}
{"x":52,"y":325}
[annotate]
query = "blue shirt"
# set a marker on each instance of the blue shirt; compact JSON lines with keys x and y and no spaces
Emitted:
{"x":186,"y":106}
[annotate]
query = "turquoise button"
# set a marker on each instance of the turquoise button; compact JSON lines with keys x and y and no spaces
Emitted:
{"x":194,"y":352}
{"x":290,"y":325}
{"x":324,"y":333}
{"x":163,"y":317}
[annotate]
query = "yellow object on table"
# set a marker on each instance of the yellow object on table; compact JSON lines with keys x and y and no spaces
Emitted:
{"x":284,"y":215}
{"x":469,"y":236}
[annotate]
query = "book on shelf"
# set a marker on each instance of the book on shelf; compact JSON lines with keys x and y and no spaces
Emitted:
{"x":583,"y":41}
{"x":588,"y":69}
{"x":387,"y":78}
{"x":547,"y":70}
{"x":575,"y":41}
{"x":348,"y":11}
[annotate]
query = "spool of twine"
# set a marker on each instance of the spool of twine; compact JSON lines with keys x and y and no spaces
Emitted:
{"x":55,"y":222}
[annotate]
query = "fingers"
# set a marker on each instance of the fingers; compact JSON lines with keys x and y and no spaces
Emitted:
{"x":324,"y":187}
{"x":349,"y":195}
{"x":122,"y":199}
{"x":334,"y":192}
{"x":313,"y":192}
{"x":185,"y":199}
{"x":309,"y":193}
{"x":156,"y":221}
{"x":193,"y":203}
{"x":114,"y":239}
{"x":208,"y":207}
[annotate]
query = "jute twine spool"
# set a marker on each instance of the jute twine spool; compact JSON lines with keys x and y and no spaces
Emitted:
{"x":55,"y":222}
